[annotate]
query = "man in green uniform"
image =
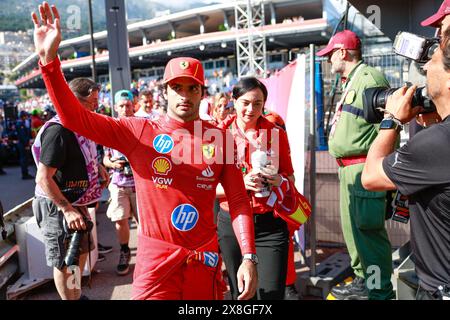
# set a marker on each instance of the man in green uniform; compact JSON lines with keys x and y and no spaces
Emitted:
{"x":362,"y":212}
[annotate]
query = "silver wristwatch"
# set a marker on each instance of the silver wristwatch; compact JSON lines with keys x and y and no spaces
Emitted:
{"x":252,"y":257}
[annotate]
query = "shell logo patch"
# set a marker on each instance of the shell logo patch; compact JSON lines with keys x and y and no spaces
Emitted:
{"x":161,"y":165}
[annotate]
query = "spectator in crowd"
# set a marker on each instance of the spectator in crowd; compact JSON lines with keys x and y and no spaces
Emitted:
{"x":36,"y":122}
{"x":102,"y":109}
{"x":122,"y":189}
{"x":67,"y":181}
{"x":24,"y":139}
{"x":222,"y":108}
{"x":160,"y":104}
{"x":2,"y":147}
{"x":146,"y":105}
{"x":177,"y":254}
{"x":136,"y":103}
{"x":206,"y":107}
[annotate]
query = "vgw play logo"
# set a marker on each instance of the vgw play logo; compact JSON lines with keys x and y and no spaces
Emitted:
{"x":184,"y":217}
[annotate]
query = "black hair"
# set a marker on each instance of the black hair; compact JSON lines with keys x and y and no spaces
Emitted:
{"x":247,"y":84}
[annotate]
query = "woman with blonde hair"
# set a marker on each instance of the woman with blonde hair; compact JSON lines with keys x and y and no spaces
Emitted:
{"x":222,"y":107}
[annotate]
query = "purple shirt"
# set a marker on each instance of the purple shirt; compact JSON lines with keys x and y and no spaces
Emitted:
{"x":118,"y":177}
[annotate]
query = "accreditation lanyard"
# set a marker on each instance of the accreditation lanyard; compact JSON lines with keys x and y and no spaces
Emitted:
{"x":338,"y":111}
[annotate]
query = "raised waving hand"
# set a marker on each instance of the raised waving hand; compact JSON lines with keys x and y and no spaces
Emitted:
{"x":47,"y":32}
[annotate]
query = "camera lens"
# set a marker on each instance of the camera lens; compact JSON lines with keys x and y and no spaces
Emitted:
{"x":375,"y":98}
{"x":73,"y":251}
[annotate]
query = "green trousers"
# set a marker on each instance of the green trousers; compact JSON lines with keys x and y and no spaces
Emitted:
{"x":363,"y":226}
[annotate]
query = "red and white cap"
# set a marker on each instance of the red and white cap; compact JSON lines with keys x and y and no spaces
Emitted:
{"x":342,"y":40}
{"x":184,"y":67}
{"x":436,"y":18}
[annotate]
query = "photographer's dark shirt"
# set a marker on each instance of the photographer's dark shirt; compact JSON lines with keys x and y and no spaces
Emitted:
{"x":60,"y":150}
{"x":421,"y":170}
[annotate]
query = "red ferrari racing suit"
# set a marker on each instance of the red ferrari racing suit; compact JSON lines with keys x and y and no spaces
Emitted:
{"x":177,"y":254}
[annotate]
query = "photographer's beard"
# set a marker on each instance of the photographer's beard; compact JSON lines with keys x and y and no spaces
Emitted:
{"x":435,"y":86}
{"x":437,"y":92}
{"x":433,"y":91}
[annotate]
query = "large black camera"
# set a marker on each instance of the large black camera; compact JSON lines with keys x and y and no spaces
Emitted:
{"x":73,"y":251}
{"x":374,"y":99}
{"x":416,"y":48}
{"x":126,"y":169}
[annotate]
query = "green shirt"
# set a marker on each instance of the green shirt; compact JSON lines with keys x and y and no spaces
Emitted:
{"x":353,"y":135}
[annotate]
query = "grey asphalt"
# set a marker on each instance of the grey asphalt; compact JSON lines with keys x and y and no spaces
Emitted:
{"x":105,"y":285}
{"x":14,"y":190}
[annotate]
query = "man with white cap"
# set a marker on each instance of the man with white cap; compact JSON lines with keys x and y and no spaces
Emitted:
{"x":177,"y":254}
{"x":362,"y":212}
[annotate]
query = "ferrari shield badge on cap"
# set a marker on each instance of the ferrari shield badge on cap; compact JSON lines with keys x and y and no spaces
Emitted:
{"x":184,"y":65}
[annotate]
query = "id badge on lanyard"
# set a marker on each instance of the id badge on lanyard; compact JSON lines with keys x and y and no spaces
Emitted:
{"x":338,"y":111}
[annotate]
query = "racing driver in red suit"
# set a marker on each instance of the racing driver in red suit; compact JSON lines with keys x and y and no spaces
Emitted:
{"x":177,"y":252}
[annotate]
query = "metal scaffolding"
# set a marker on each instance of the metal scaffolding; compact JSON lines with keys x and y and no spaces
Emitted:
{"x":250,"y":40}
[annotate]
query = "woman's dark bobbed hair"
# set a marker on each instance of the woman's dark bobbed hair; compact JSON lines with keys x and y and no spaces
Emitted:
{"x":247,"y":84}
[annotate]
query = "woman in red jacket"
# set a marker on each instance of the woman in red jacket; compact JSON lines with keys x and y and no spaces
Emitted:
{"x":264,"y":158}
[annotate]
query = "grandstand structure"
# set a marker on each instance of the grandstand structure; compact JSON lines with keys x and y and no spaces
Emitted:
{"x":206,"y":33}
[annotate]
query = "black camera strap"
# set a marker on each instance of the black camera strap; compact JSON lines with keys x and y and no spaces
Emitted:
{"x":85,"y":213}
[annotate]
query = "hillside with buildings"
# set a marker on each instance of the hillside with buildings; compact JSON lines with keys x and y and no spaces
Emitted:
{"x":15,"y":14}
{"x":16,"y":26}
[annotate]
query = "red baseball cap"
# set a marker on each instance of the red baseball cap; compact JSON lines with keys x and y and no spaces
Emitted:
{"x":184,"y":67}
{"x":342,"y":40}
{"x":436,"y":18}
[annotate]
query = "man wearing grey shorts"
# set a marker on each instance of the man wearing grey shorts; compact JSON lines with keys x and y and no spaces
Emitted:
{"x":68,"y":179}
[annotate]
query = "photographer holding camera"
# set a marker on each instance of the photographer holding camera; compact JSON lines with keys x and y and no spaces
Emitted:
{"x":122,"y":189}
{"x":67,"y":181}
{"x":362,"y":212}
{"x":419,"y":170}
